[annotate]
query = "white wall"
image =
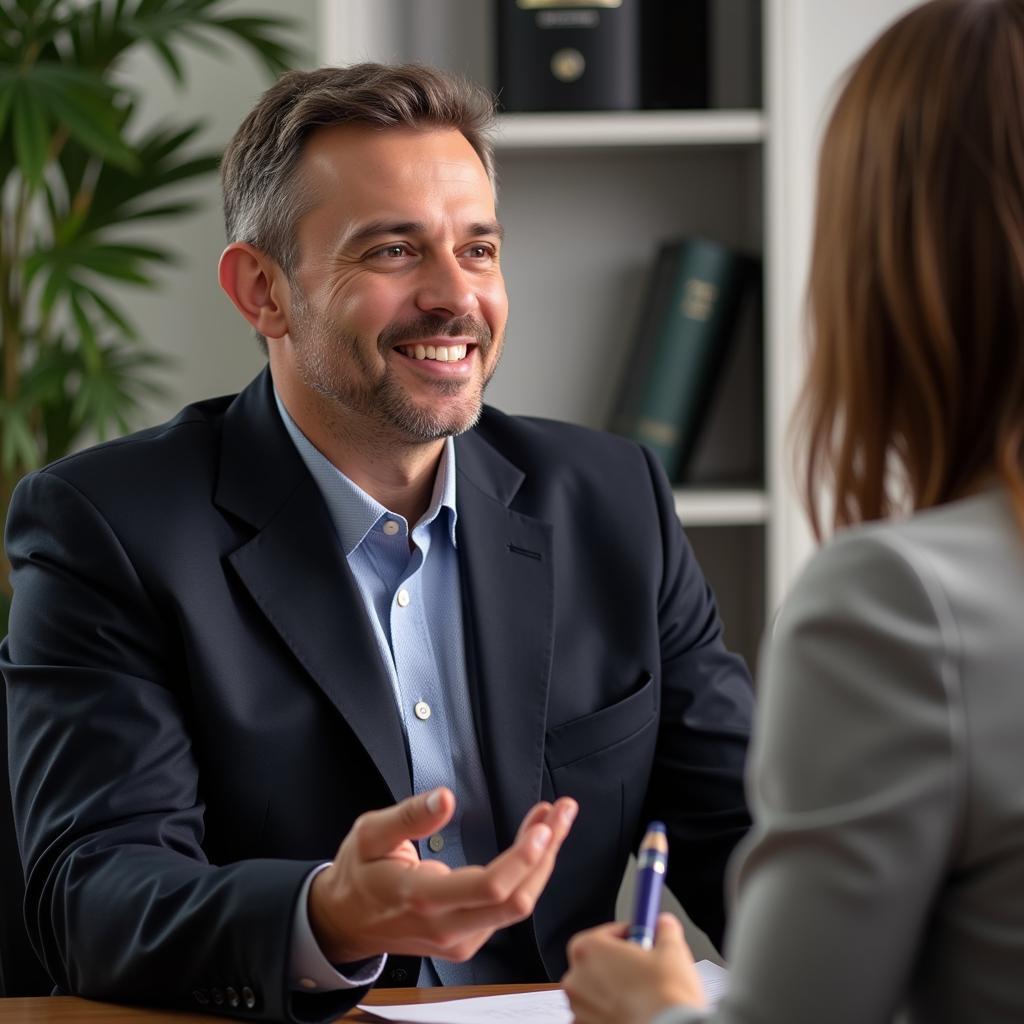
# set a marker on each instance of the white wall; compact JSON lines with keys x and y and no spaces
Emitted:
{"x":188,"y":318}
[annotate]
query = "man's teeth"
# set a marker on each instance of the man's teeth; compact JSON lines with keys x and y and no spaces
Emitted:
{"x":442,"y":353}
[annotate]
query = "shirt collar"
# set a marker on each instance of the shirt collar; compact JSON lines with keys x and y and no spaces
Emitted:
{"x":353,"y":511}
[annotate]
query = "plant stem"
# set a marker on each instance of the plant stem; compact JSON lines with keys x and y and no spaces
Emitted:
{"x":6,"y":489}
{"x":13,"y":300}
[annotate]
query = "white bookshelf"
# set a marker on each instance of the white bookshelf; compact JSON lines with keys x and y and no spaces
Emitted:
{"x":585,"y":199}
{"x":636,"y":128}
{"x":698,"y":507}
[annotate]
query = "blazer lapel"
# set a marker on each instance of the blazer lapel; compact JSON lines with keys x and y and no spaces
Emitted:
{"x":507,"y":571}
{"x":295,"y":571}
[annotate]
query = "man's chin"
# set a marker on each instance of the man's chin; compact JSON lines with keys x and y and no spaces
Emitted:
{"x":424,"y":425}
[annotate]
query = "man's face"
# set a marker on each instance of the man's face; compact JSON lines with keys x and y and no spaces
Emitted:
{"x":398,"y":305}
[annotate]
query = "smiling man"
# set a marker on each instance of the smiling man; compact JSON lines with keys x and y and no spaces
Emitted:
{"x":349,"y":679}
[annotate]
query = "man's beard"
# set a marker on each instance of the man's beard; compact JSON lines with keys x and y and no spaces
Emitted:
{"x":323,"y":350}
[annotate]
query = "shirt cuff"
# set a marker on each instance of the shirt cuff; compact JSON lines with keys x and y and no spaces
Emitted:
{"x":308,"y":969}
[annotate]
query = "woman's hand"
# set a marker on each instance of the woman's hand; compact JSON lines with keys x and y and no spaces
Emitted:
{"x":611,"y":981}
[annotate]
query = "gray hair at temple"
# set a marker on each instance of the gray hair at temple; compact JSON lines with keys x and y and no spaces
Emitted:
{"x":263,"y":201}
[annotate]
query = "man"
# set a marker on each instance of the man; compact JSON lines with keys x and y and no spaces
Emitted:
{"x":348,"y":606}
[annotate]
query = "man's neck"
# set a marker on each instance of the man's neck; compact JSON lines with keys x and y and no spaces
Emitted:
{"x":402,"y":481}
{"x":394,"y":471}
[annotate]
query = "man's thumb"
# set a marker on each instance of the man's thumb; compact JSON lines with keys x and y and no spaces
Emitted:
{"x":413,"y":818}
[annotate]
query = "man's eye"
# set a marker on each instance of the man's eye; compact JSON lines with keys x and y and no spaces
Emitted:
{"x":479,"y":252}
{"x":392,"y":250}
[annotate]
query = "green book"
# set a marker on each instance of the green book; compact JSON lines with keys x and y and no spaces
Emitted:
{"x":685,"y":329}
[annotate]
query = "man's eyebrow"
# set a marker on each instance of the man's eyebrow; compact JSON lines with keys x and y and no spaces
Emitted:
{"x":491,"y":227}
{"x":377,"y":228}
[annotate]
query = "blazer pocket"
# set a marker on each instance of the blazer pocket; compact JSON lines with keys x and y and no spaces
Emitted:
{"x":602,"y":729}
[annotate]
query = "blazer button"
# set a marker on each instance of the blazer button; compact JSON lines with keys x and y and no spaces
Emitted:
{"x":249,"y":998}
{"x":201,"y":997}
{"x":397,"y":974}
{"x":232,"y":995}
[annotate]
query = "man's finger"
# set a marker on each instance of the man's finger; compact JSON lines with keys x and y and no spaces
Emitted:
{"x":480,"y":886}
{"x":377,"y":833}
{"x":536,"y":815}
{"x":521,"y":902}
{"x":530,"y":859}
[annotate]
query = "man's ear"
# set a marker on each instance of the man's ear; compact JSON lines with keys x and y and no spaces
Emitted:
{"x":257,"y":287}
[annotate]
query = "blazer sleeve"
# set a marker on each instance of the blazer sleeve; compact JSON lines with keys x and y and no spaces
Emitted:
{"x":856,"y":785}
{"x":121,"y":902}
{"x":706,"y":713}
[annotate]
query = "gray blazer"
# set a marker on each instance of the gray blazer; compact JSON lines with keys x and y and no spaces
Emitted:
{"x":886,"y":869}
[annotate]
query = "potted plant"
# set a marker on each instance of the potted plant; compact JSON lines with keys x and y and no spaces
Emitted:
{"x":75,"y":169}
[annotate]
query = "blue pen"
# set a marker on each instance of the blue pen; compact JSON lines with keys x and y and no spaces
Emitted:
{"x":652,"y":863}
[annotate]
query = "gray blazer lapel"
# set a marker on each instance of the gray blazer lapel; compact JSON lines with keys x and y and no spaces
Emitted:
{"x":297,"y":574}
{"x":507,"y":571}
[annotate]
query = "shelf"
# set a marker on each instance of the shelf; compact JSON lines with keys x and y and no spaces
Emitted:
{"x":721,"y":507}
{"x":600,"y":130}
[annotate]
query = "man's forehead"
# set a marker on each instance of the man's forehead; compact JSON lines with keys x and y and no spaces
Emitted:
{"x":351,"y":153}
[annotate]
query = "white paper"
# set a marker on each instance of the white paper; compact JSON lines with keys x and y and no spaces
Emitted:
{"x":715,"y":980}
{"x":548,"y":1007}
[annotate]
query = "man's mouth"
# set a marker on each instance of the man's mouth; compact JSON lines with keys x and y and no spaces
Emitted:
{"x":439,"y":353}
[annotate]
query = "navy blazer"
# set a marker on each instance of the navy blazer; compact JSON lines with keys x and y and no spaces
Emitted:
{"x":198,"y":711}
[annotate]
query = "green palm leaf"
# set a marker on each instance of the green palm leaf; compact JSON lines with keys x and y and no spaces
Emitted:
{"x":109,"y":388}
{"x":31,"y":133}
{"x":19,"y":449}
{"x":79,"y":180}
{"x":122,"y":195}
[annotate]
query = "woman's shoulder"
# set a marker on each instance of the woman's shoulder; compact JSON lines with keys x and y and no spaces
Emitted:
{"x":927,"y":556}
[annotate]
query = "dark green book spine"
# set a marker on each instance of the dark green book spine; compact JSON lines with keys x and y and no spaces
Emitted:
{"x":685,"y":330}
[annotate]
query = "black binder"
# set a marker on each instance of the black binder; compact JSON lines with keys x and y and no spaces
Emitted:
{"x":569,"y":54}
{"x":676,"y":43}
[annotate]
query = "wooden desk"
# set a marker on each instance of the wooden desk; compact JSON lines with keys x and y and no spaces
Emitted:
{"x":69,"y":1010}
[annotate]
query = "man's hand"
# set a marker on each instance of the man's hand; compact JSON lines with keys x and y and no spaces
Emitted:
{"x":611,"y":981}
{"x":379,"y":897}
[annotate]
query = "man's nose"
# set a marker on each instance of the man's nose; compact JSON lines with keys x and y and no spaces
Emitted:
{"x":445,"y":287}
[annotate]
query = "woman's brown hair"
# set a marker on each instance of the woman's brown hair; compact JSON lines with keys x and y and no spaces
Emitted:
{"x":916,"y":292}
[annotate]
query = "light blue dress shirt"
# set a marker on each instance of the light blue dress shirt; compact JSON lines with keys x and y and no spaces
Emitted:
{"x":410,"y":587}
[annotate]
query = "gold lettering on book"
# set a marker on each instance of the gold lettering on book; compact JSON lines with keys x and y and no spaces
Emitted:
{"x":656,"y":431}
{"x":699,"y":298}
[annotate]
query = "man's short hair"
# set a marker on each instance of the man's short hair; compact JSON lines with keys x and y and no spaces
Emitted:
{"x":263,"y":202}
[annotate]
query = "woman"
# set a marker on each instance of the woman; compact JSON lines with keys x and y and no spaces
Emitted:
{"x":886,"y":870}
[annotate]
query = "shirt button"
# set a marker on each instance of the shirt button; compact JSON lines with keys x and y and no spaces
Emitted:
{"x":422,"y":710}
{"x":436,"y":843}
{"x":403,"y":597}
{"x":391,"y":527}
{"x":307,"y":982}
